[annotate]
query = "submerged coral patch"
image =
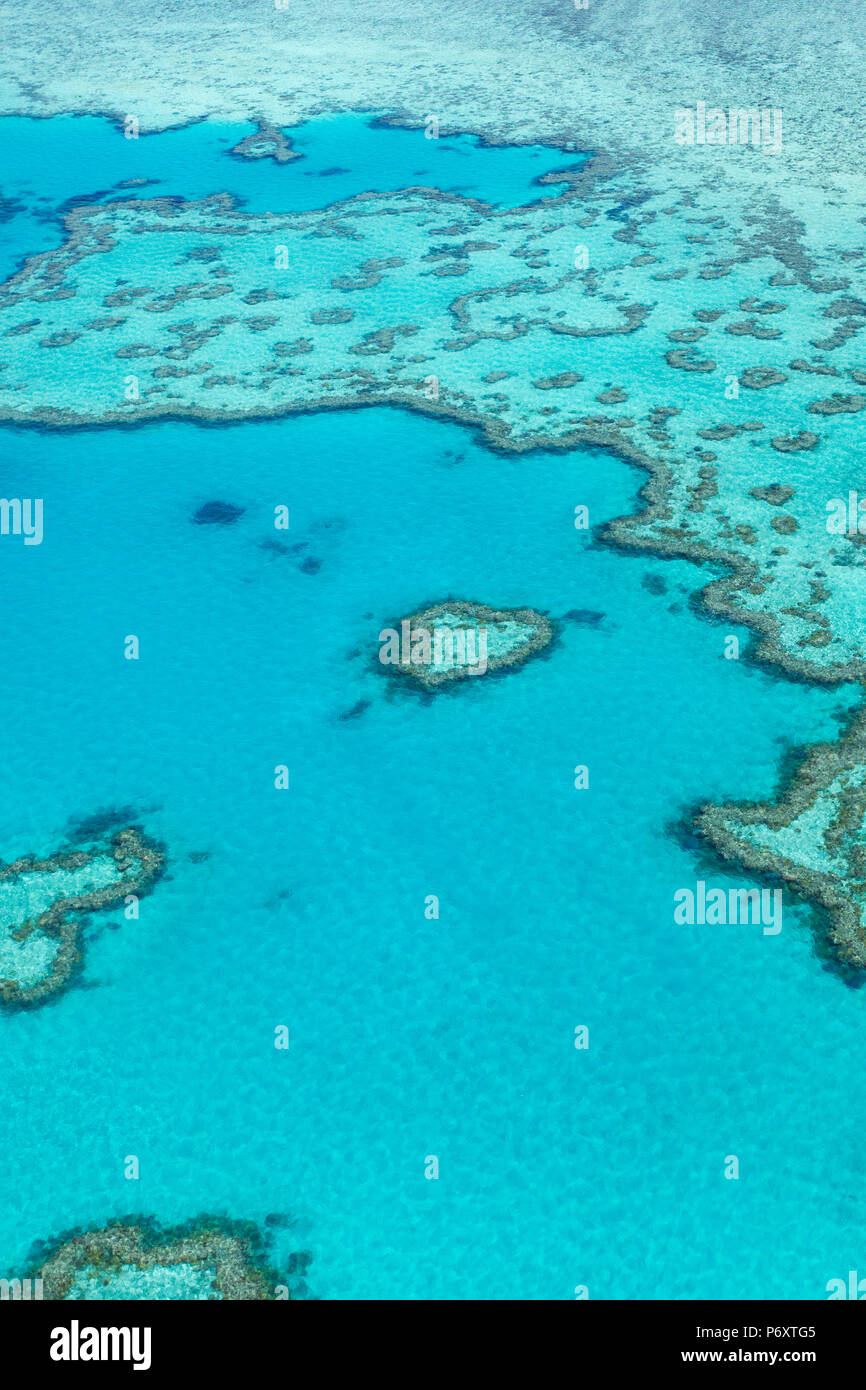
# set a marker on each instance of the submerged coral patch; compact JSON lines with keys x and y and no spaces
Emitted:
{"x":217,"y":514}
{"x":206,"y":1259}
{"x":267,"y":141}
{"x":812,"y":839}
{"x":43,"y":901}
{"x":798,"y":443}
{"x":456,"y":639}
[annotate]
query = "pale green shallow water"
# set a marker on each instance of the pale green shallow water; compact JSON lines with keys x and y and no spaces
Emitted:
{"x":180,"y":1281}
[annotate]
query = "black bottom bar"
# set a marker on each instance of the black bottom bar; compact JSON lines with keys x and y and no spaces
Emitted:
{"x":167,"y":1339}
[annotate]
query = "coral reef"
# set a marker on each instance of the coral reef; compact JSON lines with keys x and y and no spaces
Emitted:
{"x":207,"y":1258}
{"x":813,"y":838}
{"x":456,"y":639}
{"x":40,"y":929}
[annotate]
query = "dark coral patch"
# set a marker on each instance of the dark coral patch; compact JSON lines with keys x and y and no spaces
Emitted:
{"x":217,"y":514}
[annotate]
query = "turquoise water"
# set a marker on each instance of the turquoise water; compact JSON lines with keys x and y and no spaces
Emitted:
{"x":409,"y":1037}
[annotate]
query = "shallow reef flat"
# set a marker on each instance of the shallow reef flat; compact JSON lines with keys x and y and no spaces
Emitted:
{"x":607,"y":76}
{"x":135,"y":1258}
{"x":734,"y":383}
{"x":43,"y":903}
